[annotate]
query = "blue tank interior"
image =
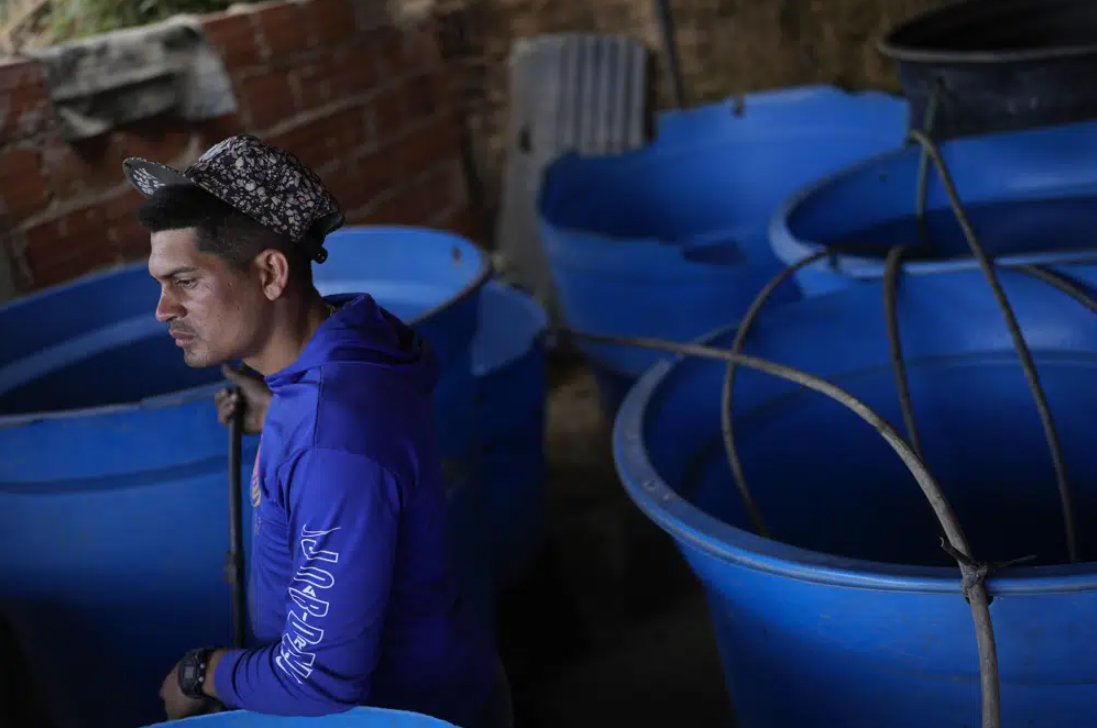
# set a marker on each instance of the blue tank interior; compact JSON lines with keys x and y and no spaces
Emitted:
{"x":74,"y":363}
{"x":1012,"y":227}
{"x":669,"y":241}
{"x":1030,"y":192}
{"x":827,"y":482}
{"x":153,"y":366}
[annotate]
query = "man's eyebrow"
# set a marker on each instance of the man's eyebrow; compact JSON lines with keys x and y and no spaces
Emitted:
{"x":176,"y":271}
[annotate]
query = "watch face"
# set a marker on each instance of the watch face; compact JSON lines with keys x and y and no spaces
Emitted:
{"x":190,"y":672}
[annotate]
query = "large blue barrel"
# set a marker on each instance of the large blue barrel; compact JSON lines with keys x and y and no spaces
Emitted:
{"x":356,"y":718}
{"x":113,"y":477}
{"x":1031,"y":197}
{"x":508,"y":360}
{"x":670,"y":241}
{"x":435,"y":281}
{"x":851,"y":615}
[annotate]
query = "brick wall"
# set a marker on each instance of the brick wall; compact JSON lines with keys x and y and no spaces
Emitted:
{"x":364,"y":104}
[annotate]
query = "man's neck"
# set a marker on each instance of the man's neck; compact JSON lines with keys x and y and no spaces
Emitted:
{"x":290,"y":335}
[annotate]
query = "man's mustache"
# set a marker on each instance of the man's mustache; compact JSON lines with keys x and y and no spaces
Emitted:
{"x":180,"y":329}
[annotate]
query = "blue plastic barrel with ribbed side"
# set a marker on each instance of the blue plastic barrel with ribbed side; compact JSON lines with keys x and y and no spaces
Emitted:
{"x":1031,"y":197}
{"x":113,"y":469}
{"x":356,"y":718}
{"x":670,"y":240}
{"x":508,"y":360}
{"x":851,"y":614}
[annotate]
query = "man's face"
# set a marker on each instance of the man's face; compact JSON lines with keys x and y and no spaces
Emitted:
{"x":213,"y":311}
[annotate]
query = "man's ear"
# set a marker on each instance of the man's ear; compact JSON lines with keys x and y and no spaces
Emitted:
{"x":273,"y":268}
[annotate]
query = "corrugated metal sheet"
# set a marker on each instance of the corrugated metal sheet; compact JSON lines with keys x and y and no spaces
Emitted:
{"x":578,"y":92}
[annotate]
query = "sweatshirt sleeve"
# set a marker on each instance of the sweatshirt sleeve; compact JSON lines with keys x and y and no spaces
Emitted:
{"x":343,"y":513}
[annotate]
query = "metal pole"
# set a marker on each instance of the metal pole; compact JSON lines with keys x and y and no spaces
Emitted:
{"x":665,"y":16}
{"x":234,"y":567}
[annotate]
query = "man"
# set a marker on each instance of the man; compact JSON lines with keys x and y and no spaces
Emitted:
{"x":351,"y":594}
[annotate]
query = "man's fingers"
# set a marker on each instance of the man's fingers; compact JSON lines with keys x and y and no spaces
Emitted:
{"x":226,"y":405}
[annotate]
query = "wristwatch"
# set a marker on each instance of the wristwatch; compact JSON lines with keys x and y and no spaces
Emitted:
{"x":192,"y":672}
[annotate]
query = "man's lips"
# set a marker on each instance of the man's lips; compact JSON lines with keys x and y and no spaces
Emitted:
{"x":181,"y":337}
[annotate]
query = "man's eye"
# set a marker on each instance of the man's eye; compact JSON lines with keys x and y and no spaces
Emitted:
{"x":185,"y":282}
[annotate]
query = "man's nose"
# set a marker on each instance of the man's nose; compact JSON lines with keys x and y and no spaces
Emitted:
{"x":168,"y":310}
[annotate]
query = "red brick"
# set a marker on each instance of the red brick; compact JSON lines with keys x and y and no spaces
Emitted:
{"x":333,"y":21}
{"x":212,"y":131}
{"x":129,"y":240}
{"x":345,"y":183}
{"x":429,"y":145}
{"x":403,"y":208}
{"x":381,"y":172}
{"x":268,"y":99}
{"x":24,"y":106}
{"x":427,"y":93}
{"x":310,"y":142}
{"x":232,"y":35}
{"x":63,"y":249}
{"x":356,"y":69}
{"x":464,"y":223}
{"x":23,"y":191}
{"x":317,"y":83}
{"x":446,"y":186}
{"x":349,"y":130}
{"x":284,"y":28}
{"x":392,"y":53}
{"x":390,"y":113}
{"x":86,"y":166}
{"x":423,"y":46}
{"x":437,"y":188}
{"x":158,"y":142}
{"x":121,"y":207}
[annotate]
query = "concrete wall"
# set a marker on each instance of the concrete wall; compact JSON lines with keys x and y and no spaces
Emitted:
{"x":365,"y":104}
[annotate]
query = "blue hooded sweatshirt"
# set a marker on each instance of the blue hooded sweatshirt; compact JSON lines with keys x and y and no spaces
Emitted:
{"x":350,"y":587}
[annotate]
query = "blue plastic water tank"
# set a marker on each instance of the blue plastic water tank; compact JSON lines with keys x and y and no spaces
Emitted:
{"x":852,"y":615}
{"x":509,"y":365}
{"x":435,"y":281}
{"x":1031,"y":197}
{"x":356,"y":718}
{"x":112,"y":468}
{"x":670,"y":241}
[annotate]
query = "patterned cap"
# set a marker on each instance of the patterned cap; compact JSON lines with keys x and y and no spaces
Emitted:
{"x":268,"y":184}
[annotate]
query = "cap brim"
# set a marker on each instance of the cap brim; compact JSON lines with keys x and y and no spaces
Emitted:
{"x":147,"y":177}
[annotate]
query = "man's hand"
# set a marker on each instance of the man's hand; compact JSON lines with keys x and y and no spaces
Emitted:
{"x":255,"y":394}
{"x":177,"y":705}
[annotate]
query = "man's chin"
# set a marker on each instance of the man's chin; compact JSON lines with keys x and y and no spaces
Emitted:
{"x":197,"y":361}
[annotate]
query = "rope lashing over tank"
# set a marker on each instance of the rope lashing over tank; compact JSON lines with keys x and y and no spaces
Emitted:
{"x":973,"y":572}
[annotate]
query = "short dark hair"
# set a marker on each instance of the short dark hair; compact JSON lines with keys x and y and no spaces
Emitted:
{"x":222,"y":229}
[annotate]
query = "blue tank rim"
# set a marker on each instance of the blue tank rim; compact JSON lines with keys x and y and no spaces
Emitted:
{"x":206,"y":391}
{"x":790,"y":249}
{"x":689,"y":524}
{"x":361,"y":717}
{"x":531,"y":308}
{"x":673,"y":147}
{"x":470,"y":289}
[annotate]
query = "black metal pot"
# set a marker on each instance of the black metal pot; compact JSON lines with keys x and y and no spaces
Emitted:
{"x":985,"y":66}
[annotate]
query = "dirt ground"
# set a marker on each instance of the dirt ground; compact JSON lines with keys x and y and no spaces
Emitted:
{"x":611,"y":628}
